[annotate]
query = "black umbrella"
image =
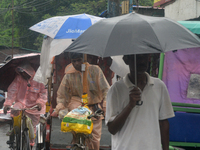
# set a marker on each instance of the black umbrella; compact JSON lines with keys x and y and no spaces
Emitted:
{"x":7,"y":72}
{"x":133,"y":34}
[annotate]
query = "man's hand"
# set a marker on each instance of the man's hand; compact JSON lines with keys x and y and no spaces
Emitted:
{"x":54,"y":114}
{"x":15,"y":112}
{"x":134,"y":96}
{"x":119,"y":121}
{"x":39,"y":106}
{"x":6,"y":108}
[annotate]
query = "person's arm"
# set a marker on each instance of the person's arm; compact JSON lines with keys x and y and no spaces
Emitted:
{"x":118,"y":122}
{"x":12,"y":91}
{"x":164,"y":132}
{"x":63,"y":95}
{"x":42,"y":99}
{"x":103,"y":87}
{"x":165,"y":112}
{"x":116,"y":125}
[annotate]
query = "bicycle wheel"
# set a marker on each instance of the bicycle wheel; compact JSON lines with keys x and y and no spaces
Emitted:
{"x":76,"y":148}
{"x":42,"y":145}
{"x":25,"y":141}
{"x":15,"y":139}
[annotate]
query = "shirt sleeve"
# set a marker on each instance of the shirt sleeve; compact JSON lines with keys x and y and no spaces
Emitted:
{"x":12,"y":91}
{"x":63,"y":93}
{"x":103,"y":83}
{"x":166,"y":109}
{"x":111,"y":105}
{"x":42,"y":99}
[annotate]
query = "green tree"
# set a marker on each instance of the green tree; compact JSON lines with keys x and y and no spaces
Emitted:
{"x":6,"y":23}
{"x":30,"y":12}
{"x":144,"y":2}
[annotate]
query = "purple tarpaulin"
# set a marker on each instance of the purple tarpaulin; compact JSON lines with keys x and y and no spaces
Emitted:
{"x":178,"y":67}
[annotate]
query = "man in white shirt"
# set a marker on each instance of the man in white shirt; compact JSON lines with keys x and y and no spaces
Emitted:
{"x":135,"y":127}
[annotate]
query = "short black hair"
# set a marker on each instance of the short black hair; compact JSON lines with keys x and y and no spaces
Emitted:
{"x":125,"y":59}
{"x":75,"y":55}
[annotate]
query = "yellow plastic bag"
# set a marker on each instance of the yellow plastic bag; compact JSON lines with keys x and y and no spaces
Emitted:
{"x":76,"y":120}
{"x":17,"y":120}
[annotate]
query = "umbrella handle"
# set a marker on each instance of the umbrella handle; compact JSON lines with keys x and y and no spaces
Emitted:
{"x":139,"y":103}
{"x":135,"y":70}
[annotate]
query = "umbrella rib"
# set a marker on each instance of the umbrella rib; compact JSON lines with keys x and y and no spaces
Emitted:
{"x":61,"y":27}
{"x":111,"y":33}
{"x":155,"y":35}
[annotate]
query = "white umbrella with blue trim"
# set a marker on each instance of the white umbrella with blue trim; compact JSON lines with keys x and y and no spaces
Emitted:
{"x":65,"y":27}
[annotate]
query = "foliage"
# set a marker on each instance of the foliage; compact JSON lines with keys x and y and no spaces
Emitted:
{"x":144,"y":2}
{"x":29,"y":12}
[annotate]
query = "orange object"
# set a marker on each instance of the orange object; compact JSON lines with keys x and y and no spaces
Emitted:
{"x":85,"y":99}
{"x":85,"y":83}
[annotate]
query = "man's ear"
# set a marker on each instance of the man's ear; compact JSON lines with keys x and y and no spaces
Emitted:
{"x":125,"y":58}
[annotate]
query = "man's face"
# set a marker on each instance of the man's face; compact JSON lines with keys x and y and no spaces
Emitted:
{"x":142,"y":62}
{"x":77,"y":63}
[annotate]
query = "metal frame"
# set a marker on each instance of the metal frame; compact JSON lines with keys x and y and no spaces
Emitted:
{"x":184,"y":108}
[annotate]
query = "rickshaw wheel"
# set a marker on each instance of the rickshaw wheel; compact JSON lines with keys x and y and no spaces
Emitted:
{"x":76,"y":148}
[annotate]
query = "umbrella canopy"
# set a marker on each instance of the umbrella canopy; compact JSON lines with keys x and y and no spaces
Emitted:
{"x":193,"y":26}
{"x":133,"y":34}
{"x":62,"y":30}
{"x":65,"y":27}
{"x":7,"y":72}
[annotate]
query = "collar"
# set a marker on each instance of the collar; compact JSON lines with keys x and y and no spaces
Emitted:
{"x":70,"y":68}
{"x":129,"y":84}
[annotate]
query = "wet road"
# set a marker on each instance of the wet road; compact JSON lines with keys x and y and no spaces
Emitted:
{"x":4,"y":128}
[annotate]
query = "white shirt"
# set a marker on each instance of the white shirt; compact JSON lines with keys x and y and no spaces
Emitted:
{"x":141,"y":130}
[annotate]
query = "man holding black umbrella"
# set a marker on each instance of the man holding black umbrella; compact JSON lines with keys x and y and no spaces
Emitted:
{"x":138,"y":127}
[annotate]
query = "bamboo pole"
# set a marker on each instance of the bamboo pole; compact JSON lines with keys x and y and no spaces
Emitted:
{"x":160,"y":73}
{"x":12,"y":26}
{"x":85,"y":83}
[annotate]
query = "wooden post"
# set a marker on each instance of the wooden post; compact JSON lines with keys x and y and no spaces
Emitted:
{"x":12,"y":26}
{"x":85,"y":83}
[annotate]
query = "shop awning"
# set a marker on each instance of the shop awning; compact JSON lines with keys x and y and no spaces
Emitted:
{"x":193,"y":26}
